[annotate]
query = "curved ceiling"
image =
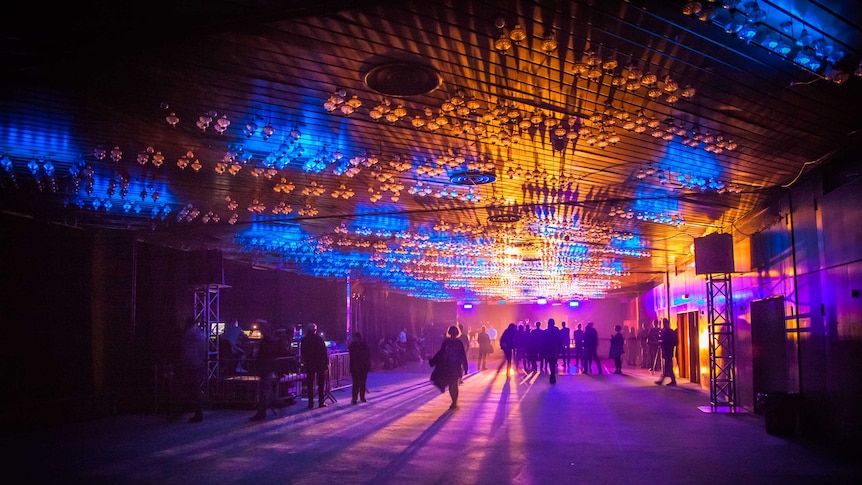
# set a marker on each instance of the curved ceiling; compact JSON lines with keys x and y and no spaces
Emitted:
{"x":450,"y":150}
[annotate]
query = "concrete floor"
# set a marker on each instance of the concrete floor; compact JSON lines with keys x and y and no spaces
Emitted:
{"x":592,"y":429}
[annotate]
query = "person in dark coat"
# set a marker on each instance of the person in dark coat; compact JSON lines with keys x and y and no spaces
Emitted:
{"x":653,"y":345}
{"x":643,"y":341}
{"x":360,"y":366}
{"x":552,"y":345}
{"x":632,"y":347}
{"x":566,"y":340}
{"x":522,"y":346}
{"x":668,"y":341}
{"x":193,"y":367}
{"x":535,"y":348}
{"x":591,"y":344}
{"x":485,"y":348}
{"x":508,"y":343}
{"x":450,"y":363}
{"x":617,"y":349}
{"x":578,"y":339}
{"x":267,"y":355}
{"x":315,"y":357}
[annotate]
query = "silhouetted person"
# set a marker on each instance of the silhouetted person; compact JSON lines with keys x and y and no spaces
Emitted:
{"x":643,"y":341}
{"x":653,"y":345}
{"x":578,"y":339}
{"x":591,"y":345}
{"x":522,"y":347}
{"x":233,"y":337}
{"x":566,"y":340}
{"x":508,"y":342}
{"x":450,"y":363}
{"x":551,"y":347}
{"x":267,"y":354}
{"x":617,"y":349}
{"x":485,"y":348}
{"x":360,"y":366}
{"x":632,"y":347}
{"x":312,"y":348}
{"x":535,"y":349}
{"x":465,"y":339}
{"x":667,"y":341}
{"x":193,"y":368}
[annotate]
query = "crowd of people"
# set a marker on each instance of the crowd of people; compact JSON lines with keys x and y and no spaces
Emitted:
{"x":527,"y":347}
{"x":532,"y":347}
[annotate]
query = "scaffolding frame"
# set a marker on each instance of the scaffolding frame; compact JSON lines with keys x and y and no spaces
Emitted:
{"x":206,"y":312}
{"x":722,"y":366}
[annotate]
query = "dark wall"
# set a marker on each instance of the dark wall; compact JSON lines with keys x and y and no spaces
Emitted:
{"x":379,"y":313}
{"x":45,"y":288}
{"x":282,"y":299}
{"x":96,"y":316}
{"x":810,"y":256}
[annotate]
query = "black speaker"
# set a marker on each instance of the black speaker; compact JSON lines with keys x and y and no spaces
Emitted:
{"x":713,"y":254}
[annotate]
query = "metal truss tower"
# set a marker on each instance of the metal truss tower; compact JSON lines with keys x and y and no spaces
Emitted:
{"x":722,"y":366}
{"x":206,"y":312}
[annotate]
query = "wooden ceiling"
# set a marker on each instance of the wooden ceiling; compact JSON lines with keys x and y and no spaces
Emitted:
{"x":612,"y":206}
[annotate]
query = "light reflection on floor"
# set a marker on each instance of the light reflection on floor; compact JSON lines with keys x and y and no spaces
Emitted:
{"x":518,"y":430}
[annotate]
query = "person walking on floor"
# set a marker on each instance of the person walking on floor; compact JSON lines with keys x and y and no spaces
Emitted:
{"x":591,"y":345}
{"x":617,"y":349}
{"x":450,"y":363}
{"x":551,"y":348}
{"x":485,"y":348}
{"x":360,"y":366}
{"x":667,"y":341}
{"x":508,"y":342}
{"x":312,"y":348}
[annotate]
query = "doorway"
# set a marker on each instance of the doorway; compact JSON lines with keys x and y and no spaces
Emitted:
{"x":688,"y":350}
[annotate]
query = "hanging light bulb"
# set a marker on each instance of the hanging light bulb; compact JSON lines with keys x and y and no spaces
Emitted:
{"x":517,"y":35}
{"x":172,"y":119}
{"x":805,"y":38}
{"x":549,"y":43}
{"x":502,"y":44}
{"x":707,"y":13}
{"x":734,"y":25}
{"x":748,"y":31}
{"x":268,"y":131}
{"x":692,"y":8}
{"x":222,"y":124}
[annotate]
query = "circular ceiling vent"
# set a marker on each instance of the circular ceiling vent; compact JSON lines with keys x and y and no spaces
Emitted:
{"x":403,"y":79}
{"x":472,"y":178}
{"x":504,"y":218}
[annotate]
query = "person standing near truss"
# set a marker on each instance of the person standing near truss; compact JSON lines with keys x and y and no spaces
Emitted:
{"x":315,"y":357}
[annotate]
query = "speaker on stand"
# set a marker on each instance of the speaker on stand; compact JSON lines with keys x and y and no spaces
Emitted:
{"x":713,"y":254}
